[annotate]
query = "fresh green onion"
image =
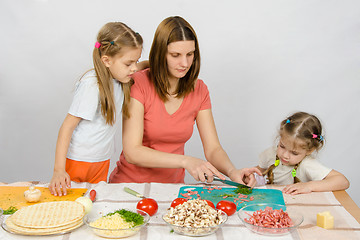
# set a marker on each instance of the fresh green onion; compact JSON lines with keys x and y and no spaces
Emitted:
{"x":243,"y":190}
{"x":10,"y":210}
{"x":129,"y":216}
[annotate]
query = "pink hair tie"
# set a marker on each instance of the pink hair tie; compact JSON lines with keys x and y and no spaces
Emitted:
{"x":97,"y":44}
{"x":314,"y":136}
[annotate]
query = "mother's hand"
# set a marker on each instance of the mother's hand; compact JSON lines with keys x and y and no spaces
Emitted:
{"x":199,"y":168}
{"x":245,"y":176}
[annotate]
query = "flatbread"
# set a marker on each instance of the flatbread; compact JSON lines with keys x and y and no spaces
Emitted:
{"x":41,"y":231}
{"x":49,"y":215}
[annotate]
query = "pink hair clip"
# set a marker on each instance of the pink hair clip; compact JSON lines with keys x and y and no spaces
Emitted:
{"x":314,"y":136}
{"x":97,"y":45}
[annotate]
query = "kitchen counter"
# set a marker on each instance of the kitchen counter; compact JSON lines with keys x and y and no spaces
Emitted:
{"x":339,"y":203}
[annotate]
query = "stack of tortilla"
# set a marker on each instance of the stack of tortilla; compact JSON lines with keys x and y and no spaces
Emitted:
{"x":47,"y":218}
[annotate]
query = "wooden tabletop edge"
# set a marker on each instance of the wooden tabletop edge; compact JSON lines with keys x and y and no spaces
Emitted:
{"x":344,"y":198}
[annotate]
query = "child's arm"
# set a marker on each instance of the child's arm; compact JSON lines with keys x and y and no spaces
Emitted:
{"x":332,"y":182}
{"x":60,"y":179}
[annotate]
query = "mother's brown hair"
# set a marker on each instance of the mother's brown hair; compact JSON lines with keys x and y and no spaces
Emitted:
{"x":172,"y":29}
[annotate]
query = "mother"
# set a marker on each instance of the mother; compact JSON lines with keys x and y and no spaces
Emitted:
{"x":166,"y":100}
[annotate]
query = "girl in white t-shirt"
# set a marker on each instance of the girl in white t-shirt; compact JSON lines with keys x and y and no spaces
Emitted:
{"x":290,"y":163}
{"x":86,"y":137}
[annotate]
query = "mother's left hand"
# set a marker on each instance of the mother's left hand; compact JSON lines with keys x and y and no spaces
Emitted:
{"x":245,"y":176}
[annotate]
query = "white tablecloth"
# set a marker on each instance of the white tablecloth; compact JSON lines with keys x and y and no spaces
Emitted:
{"x":113,"y":196}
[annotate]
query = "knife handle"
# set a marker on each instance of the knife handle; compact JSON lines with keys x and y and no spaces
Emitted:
{"x":132,"y":192}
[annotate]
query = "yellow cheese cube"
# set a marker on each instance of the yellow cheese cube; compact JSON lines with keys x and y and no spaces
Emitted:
{"x":325,"y":220}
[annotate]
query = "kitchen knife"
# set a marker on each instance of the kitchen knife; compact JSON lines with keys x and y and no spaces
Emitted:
{"x":228,"y":182}
{"x":132,"y":192}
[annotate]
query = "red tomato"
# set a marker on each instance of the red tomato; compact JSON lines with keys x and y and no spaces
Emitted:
{"x":210,"y":203}
{"x":177,"y":201}
{"x":226,"y":206}
{"x":148,"y":205}
{"x":92,"y":195}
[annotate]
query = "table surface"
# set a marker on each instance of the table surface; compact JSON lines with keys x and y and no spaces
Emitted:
{"x":339,"y":203}
{"x":344,"y":198}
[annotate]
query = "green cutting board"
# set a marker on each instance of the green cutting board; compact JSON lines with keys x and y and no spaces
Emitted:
{"x":216,"y":195}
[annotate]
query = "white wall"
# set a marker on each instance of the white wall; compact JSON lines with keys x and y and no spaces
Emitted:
{"x":261,"y":60}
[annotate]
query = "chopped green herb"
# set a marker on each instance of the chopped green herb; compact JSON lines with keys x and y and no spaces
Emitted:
{"x":227,"y":195}
{"x":243,"y":190}
{"x":172,"y":230}
{"x":129,"y":216}
{"x":10,"y":210}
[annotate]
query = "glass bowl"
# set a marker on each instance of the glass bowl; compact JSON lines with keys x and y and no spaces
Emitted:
{"x":196,"y":231}
{"x":246,"y":212}
{"x":114,"y":233}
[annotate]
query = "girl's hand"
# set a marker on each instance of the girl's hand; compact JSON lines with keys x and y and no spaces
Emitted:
{"x":59,"y":183}
{"x":297,"y":188}
{"x":199,"y":168}
{"x":244,"y":176}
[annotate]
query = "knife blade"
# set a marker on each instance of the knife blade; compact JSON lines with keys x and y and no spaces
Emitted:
{"x":228,"y":182}
{"x":133,"y":192}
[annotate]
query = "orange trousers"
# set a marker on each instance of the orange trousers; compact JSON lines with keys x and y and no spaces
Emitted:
{"x":86,"y":171}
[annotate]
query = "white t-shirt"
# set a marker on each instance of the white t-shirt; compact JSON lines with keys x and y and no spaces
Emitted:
{"x":309,"y":169}
{"x":92,"y":139}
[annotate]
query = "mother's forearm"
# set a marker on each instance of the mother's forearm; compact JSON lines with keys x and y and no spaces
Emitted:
{"x":220,"y":160}
{"x":146,"y":157}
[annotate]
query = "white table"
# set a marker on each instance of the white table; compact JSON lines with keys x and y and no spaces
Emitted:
{"x":113,"y":196}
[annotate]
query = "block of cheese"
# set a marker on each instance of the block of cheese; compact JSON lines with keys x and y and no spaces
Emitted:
{"x":325,"y":220}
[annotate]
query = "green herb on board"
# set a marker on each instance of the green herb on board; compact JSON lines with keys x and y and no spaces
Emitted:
{"x":227,"y":195}
{"x":172,"y":230}
{"x":243,"y":190}
{"x":10,"y":210}
{"x":129,"y":216}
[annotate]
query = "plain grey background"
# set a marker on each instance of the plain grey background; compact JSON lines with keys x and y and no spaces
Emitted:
{"x":262,"y":60}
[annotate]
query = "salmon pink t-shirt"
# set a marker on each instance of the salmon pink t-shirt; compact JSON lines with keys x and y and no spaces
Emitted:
{"x":162,"y":131}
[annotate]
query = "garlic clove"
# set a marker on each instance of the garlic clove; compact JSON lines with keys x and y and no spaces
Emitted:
{"x":32,"y":195}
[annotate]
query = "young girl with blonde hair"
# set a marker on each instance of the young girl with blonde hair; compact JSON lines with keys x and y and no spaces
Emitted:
{"x":292,"y":163}
{"x":86,"y":137}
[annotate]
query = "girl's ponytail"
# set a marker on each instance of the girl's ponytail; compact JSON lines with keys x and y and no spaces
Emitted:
{"x":126,"y":89}
{"x":105,"y":88}
{"x":296,"y":179}
{"x":270,"y":174}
